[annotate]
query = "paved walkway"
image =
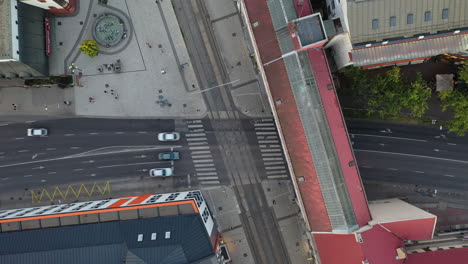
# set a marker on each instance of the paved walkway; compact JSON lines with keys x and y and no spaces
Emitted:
{"x":152,"y":82}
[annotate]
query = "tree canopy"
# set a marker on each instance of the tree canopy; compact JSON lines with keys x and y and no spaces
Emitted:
{"x":458,"y":102}
{"x":389,"y":93}
{"x":90,"y":48}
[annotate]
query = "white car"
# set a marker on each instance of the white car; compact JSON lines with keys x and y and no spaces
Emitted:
{"x":160,"y":172}
{"x":37,"y":132}
{"x":168,"y":136}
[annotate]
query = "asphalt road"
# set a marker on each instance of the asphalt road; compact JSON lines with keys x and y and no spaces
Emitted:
{"x":240,"y":162}
{"x":409,"y":154}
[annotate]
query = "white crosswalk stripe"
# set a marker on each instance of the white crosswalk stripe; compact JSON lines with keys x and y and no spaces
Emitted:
{"x":270,"y":149}
{"x":202,"y":158}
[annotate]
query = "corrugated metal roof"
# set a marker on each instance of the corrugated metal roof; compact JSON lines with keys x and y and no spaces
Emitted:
{"x":410,"y":50}
{"x":111,"y":242}
{"x":361,"y":14}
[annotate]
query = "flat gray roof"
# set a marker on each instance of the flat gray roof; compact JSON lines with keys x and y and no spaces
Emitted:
{"x":362,"y":13}
{"x":5,"y":30}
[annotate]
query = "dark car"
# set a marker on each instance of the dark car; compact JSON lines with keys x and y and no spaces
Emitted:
{"x":169,"y":155}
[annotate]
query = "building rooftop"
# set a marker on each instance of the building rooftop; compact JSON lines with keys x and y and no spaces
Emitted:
{"x":380,"y":55}
{"x":377,"y":20}
{"x":168,"y":239}
{"x":393,"y":210}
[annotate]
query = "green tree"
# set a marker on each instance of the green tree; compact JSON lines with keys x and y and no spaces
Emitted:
{"x":416,"y":97}
{"x":463,"y":72}
{"x":90,"y":48}
{"x":458,"y":102}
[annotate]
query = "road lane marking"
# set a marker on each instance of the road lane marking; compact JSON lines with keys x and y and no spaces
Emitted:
{"x":194,"y":126}
{"x":197,"y":139}
{"x":51,"y":148}
{"x":120,"y":132}
{"x":142,"y":132}
{"x":201,"y":152}
{"x":274,"y":163}
{"x":264,"y":124}
{"x":448,"y":175}
{"x":266,"y":133}
{"x":420,"y":172}
{"x":195,"y":134}
{"x":265,"y":128}
{"x":364,"y":166}
{"x":270,"y":150}
{"x":19,"y":138}
{"x":206,"y":174}
{"x":29,"y":122}
{"x":401,"y":138}
{"x":6,"y":124}
{"x":393,"y":169}
{"x":93,"y":133}
{"x":268,"y":141}
{"x":271,"y":154}
{"x":210,"y":182}
{"x":75,"y":147}
{"x":201,"y":156}
{"x":4,"y":179}
{"x":51,"y":172}
{"x":204,"y":165}
{"x":23,"y":150}
{"x":411,"y":155}
{"x":68,"y":135}
{"x":203,"y":161}
{"x":78,"y":169}
{"x":131,"y":164}
{"x":205,"y":169}
{"x":277,"y":176}
{"x":1,"y":153}
{"x":197,"y":143}
{"x":201,"y":147}
{"x":275,"y":167}
{"x":27,"y":176}
{"x":452,"y":144}
{"x":276,"y":172}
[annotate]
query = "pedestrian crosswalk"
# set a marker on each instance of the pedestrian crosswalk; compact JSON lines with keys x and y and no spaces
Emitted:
{"x":205,"y":169}
{"x":270,"y":149}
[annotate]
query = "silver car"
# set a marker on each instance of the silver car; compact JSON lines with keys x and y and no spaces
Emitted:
{"x":168,"y":136}
{"x":36,"y":132}
{"x":160,"y":172}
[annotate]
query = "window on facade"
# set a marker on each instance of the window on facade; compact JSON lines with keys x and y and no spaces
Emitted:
{"x":392,"y":21}
{"x":409,"y":19}
{"x":427,"y":16}
{"x":375,"y":23}
{"x":445,"y":13}
{"x":333,"y":4}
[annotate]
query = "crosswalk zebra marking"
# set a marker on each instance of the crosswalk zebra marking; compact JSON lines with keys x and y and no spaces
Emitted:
{"x":195,"y":134}
{"x":203,"y":161}
{"x":194,"y":125}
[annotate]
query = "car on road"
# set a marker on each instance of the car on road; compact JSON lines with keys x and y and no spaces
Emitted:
{"x":174,"y":155}
{"x":37,"y":132}
{"x":168,"y":136}
{"x":160,"y":172}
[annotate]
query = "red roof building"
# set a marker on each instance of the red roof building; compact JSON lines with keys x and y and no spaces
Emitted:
{"x":289,"y":41}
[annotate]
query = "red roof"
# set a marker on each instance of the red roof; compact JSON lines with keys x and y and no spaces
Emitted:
{"x":338,"y":249}
{"x":379,"y":246}
{"x":413,"y":229}
{"x":340,"y":135}
{"x":289,"y":118}
{"x":450,"y":256}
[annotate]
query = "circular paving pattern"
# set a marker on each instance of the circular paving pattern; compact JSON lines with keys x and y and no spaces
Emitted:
{"x":109,"y":30}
